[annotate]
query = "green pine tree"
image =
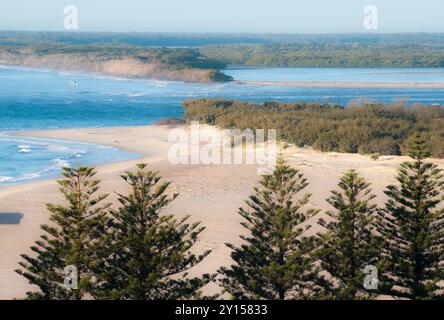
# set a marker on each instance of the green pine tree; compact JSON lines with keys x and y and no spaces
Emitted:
{"x":275,"y":262}
{"x":413,"y":227}
{"x":147,"y":255}
{"x":350,"y":244}
{"x":71,"y":240}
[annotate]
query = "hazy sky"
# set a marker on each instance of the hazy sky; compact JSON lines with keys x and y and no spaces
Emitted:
{"x":274,"y":16}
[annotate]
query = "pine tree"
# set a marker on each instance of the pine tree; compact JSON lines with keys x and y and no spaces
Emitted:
{"x":147,"y":255}
{"x":413,"y":227}
{"x":70,"y":241}
{"x":350,"y":243}
{"x":275,"y":262}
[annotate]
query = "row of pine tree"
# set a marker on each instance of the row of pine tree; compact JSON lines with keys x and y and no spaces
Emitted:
{"x":139,"y":252}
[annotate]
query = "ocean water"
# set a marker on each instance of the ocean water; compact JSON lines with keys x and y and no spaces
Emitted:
{"x":44,"y":99}
{"x":23,"y":159}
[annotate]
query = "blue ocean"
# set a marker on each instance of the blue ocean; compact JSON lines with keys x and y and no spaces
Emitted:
{"x":44,"y":99}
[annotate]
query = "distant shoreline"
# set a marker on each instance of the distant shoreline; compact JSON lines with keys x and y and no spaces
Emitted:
{"x":344,"y":84}
{"x":317,"y":83}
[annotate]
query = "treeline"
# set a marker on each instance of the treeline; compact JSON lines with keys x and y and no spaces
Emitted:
{"x":266,"y":50}
{"x":150,"y":39}
{"x":259,"y":50}
{"x":349,"y":55}
{"x":134,"y":252}
{"x":145,"y":39}
{"x":366,"y":129}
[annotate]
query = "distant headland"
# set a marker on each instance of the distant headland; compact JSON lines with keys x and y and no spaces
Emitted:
{"x":174,"y":64}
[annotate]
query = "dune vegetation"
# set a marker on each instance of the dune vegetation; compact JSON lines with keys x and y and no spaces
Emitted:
{"x":367,"y":128}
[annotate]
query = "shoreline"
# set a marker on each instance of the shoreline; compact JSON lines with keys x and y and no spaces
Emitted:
{"x":111,"y":153}
{"x":344,"y":84}
{"x":125,"y":63}
{"x":69,"y":134}
{"x":259,"y":83}
{"x":82,"y":73}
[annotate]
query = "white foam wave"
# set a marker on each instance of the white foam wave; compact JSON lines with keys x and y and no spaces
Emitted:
{"x":136,"y":94}
{"x":23,"y":177}
{"x":60,"y":163}
{"x":5,"y":179}
{"x":160,"y":84}
{"x":29,"y":176}
{"x":24,"y":148}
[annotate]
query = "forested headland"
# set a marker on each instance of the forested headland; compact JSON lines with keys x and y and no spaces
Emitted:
{"x":181,"y":64}
{"x":368,"y":128}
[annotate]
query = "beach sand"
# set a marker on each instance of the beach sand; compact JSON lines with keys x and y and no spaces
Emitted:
{"x":211,"y":194}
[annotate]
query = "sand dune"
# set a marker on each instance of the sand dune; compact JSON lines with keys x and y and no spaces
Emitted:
{"x":210,"y":193}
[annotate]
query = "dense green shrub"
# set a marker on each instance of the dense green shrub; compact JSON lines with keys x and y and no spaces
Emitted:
{"x":367,"y":129}
{"x":330,"y":54}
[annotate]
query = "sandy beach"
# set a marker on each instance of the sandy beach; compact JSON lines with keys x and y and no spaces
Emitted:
{"x":211,"y":194}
